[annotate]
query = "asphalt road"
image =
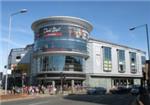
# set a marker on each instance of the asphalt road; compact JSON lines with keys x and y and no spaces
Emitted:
{"x":77,"y":100}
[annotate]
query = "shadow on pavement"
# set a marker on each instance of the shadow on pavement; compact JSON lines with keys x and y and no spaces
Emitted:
{"x":112,"y":99}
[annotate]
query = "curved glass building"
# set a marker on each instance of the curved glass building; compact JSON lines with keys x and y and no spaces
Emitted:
{"x":60,"y":49}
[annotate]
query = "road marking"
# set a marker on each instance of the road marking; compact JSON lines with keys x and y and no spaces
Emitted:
{"x":38,"y":103}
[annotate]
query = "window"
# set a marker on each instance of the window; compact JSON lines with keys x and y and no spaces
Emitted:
{"x":61,"y":44}
{"x":107,"y":64}
{"x":60,"y":63}
{"x":121,"y":60}
{"x":18,"y":57}
{"x":143,"y":61}
{"x":133,"y":62}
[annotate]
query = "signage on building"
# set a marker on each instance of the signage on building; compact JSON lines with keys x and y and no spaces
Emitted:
{"x":62,"y":30}
{"x":52,"y":31}
{"x":9,"y":71}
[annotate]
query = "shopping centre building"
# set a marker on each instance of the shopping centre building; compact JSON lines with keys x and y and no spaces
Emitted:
{"x":64,"y":53}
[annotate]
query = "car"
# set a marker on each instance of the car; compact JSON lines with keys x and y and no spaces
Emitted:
{"x":135,"y":90}
{"x":96,"y":91}
{"x":120,"y":90}
{"x":90,"y":91}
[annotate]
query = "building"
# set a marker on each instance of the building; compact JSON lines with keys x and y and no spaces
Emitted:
{"x":60,"y":50}
{"x":19,"y":62}
{"x":147,"y":74}
{"x":112,"y":65}
{"x":64,"y":53}
{"x":1,"y":78}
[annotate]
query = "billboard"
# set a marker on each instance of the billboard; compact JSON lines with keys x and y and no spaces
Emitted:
{"x":62,"y":31}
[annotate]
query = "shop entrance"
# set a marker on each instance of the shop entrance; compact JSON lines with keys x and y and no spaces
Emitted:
{"x":121,"y":82}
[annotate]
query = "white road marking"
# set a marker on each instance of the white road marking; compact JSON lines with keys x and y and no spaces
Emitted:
{"x":39,"y":103}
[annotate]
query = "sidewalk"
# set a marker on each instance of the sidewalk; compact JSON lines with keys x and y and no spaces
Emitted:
{"x":11,"y":97}
{"x":15,"y":97}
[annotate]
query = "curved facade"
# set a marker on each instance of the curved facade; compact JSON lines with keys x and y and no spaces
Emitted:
{"x":60,"y":47}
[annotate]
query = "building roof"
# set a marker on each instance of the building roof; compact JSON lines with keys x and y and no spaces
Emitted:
{"x":103,"y":41}
{"x":76,"y":20}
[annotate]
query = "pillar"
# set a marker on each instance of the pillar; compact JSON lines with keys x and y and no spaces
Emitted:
{"x":53,"y":83}
{"x":72,"y":86}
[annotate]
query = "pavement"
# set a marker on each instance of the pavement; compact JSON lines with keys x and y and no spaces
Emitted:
{"x":16,"y":97}
{"x":81,"y":99}
{"x":72,"y":99}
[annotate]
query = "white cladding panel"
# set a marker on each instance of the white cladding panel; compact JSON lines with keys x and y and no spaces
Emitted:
{"x":94,"y":64}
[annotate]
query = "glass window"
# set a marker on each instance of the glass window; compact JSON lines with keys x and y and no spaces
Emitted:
{"x":107,"y":64}
{"x":60,"y":63}
{"x":18,"y":57}
{"x":133,"y":62}
{"x":121,"y":60}
{"x":61,"y":44}
{"x":143,"y":61}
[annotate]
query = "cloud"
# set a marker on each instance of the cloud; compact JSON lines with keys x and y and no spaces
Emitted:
{"x":11,"y":42}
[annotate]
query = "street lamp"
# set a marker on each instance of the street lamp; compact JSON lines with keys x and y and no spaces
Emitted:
{"x":9,"y":34}
{"x":146,"y":27}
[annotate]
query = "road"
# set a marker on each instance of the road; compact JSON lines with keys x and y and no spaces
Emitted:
{"x":77,"y":100}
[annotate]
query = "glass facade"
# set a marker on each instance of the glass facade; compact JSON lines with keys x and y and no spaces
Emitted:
{"x":107,"y":62}
{"x":61,"y":38}
{"x":57,"y":36}
{"x":121,"y":60}
{"x":59,"y":63}
{"x":133,"y":64}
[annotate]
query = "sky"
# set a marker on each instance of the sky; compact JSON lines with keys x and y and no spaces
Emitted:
{"x":111,"y":21}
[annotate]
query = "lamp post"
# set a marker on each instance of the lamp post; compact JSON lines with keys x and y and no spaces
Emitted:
{"x":146,"y":27}
{"x":61,"y":82}
{"x":9,"y":34}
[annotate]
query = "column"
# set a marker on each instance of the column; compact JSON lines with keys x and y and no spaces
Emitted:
{"x":54,"y":88}
{"x":72,"y":86}
{"x":83,"y":86}
{"x":53,"y":83}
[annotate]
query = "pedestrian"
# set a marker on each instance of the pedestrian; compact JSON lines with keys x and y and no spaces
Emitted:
{"x":14,"y":91}
{"x":54,"y":90}
{"x":143,"y":97}
{"x":42,"y":89}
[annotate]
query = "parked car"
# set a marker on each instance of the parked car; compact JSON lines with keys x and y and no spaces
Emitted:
{"x":135,"y":90}
{"x":120,"y":90}
{"x":96,"y":91}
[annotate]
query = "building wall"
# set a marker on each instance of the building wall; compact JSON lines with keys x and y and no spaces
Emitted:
{"x":19,"y":56}
{"x":94,"y":64}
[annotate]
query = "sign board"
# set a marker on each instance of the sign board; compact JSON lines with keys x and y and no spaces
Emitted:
{"x":9,"y":71}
